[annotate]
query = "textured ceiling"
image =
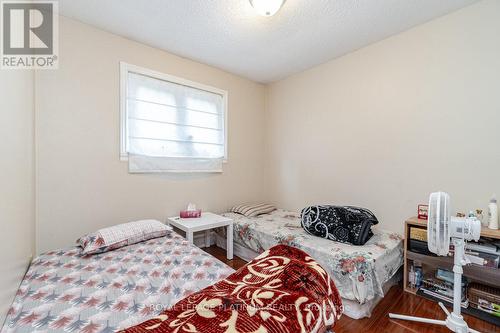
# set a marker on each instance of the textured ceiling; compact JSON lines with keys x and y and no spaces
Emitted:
{"x":228,"y":34}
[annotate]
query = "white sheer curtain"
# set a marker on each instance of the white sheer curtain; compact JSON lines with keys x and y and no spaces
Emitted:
{"x":173,"y":127}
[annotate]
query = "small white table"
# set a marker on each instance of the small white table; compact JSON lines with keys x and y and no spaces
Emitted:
{"x":206,"y":222}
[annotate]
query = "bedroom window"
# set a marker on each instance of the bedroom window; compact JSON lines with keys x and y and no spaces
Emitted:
{"x":169,"y":124}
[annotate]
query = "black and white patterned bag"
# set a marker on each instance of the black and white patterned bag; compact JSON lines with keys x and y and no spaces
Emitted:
{"x":344,"y":224}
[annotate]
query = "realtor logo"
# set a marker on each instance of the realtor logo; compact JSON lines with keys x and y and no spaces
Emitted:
{"x":29,"y":34}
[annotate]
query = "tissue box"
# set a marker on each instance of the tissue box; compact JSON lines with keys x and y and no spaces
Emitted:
{"x":189,"y":214}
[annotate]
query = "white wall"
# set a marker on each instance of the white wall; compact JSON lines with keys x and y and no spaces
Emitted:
{"x":82,"y":185}
{"x":381,"y":128}
{"x":384,"y":126}
{"x":17,"y":217}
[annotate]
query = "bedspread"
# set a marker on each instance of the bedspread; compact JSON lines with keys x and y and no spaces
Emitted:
{"x":359,"y":272}
{"x":281,"y":291}
{"x":65,"y":291}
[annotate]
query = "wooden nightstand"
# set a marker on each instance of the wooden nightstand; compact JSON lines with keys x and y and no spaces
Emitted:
{"x":206,"y":222}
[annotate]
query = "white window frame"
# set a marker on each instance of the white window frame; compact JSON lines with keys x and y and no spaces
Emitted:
{"x":126,"y":68}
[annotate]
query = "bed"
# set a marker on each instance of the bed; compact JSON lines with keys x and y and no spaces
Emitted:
{"x":65,"y":291}
{"x":283,"y":290}
{"x":363,"y":274}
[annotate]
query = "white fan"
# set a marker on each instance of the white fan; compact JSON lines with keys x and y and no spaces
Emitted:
{"x":441,"y":226}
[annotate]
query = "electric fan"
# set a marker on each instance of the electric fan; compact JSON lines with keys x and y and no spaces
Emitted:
{"x":439,"y":230}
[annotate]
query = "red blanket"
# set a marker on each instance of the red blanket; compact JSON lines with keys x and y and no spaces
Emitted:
{"x":283,"y":290}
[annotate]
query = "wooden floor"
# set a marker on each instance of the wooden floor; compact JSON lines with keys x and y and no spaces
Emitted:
{"x":395,"y":301}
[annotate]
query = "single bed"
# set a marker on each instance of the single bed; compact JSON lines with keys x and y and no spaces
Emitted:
{"x":65,"y":291}
{"x":281,"y":291}
{"x":363,"y":274}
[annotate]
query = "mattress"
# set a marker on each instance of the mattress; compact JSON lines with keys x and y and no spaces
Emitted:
{"x":64,"y":291}
{"x":359,"y":272}
{"x":352,"y":309}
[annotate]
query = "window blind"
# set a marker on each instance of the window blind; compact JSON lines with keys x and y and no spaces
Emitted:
{"x":172,"y":126}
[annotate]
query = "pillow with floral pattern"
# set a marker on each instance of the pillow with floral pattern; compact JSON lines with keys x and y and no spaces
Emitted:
{"x":121,"y":235}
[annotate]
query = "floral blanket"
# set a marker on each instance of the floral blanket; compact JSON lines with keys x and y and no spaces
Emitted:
{"x":65,"y":291}
{"x":359,"y":272}
{"x":283,"y":290}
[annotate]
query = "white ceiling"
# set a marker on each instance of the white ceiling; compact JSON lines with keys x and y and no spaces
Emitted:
{"x":228,"y":34}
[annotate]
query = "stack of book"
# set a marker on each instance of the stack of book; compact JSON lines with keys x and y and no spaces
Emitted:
{"x":440,"y":286}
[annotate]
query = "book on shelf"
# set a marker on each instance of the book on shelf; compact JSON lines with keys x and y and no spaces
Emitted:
{"x":441,"y":287}
{"x":448,"y":276}
{"x":489,"y":307}
{"x":464,"y":304}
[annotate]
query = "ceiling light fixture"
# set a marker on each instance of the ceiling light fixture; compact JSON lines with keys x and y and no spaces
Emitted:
{"x":267,"y":7}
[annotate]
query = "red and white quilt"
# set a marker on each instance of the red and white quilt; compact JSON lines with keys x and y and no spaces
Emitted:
{"x":283,"y":290}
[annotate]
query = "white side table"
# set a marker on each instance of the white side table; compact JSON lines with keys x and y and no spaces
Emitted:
{"x":206,"y":222}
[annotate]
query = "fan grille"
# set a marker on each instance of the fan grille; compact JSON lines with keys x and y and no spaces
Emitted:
{"x":438,"y":235}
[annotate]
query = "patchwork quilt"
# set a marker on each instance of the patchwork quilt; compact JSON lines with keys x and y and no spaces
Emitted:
{"x":359,"y":272}
{"x":281,"y":291}
{"x":65,"y":291}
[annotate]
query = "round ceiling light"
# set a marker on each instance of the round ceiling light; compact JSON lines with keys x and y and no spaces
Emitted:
{"x":267,"y":7}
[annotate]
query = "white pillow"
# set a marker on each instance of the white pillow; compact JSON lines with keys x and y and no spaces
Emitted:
{"x":121,"y":235}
